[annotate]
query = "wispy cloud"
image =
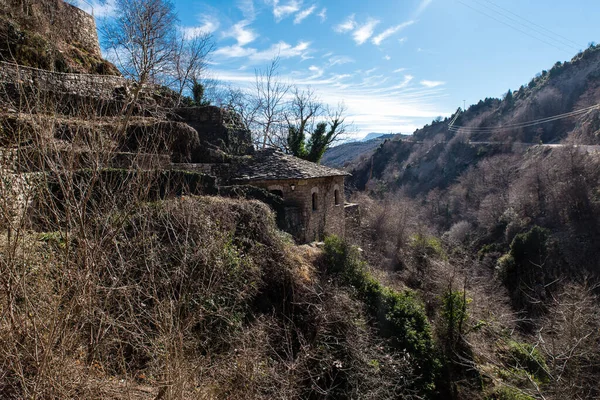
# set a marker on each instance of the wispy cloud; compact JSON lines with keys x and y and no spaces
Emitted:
{"x":432,"y":84}
{"x":282,"y":50}
{"x":209,"y":24}
{"x":241,"y":33}
{"x":397,"y":71}
{"x":402,"y":40}
{"x":247,"y":8}
{"x":387,"y":57}
{"x":340,"y":60}
{"x":99,"y":9}
{"x":302,"y":15}
{"x":235,"y":51}
{"x":422,"y":7}
{"x":365,"y":31}
{"x":348,"y":25}
{"x":323,"y":14}
{"x":373,"y":104}
{"x":377,"y":40}
{"x":281,"y":11}
{"x":318,"y":72}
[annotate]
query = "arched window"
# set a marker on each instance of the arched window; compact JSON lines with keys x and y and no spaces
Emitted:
{"x":336,"y":195}
{"x":277,"y":192}
{"x":315,"y":205}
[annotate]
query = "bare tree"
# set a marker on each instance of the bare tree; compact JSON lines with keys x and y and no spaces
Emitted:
{"x":301,"y":115}
{"x":270,"y":92}
{"x":189,"y":61}
{"x":142,"y":39}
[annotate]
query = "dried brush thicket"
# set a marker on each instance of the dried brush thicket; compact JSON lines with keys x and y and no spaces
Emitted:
{"x":118,"y":282}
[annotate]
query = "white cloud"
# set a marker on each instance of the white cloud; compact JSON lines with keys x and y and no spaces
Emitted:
{"x":346,"y":26}
{"x":241,"y":33}
{"x":281,"y":11}
{"x":365,"y":31}
{"x":323,"y":14}
{"x":282,"y":50}
{"x":390,"y":31}
{"x":302,"y":15}
{"x":96,"y":8}
{"x":432,"y":84}
{"x":247,"y":8}
{"x":387,"y":57}
{"x":235,"y":51}
{"x":318,"y":72}
{"x":340,"y":60}
{"x":372,"y":105}
{"x":422,"y":7}
{"x":397,"y":71}
{"x":209,"y":25}
{"x":402,"y":40}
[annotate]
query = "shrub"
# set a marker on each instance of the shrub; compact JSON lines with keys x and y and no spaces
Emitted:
{"x":399,"y":315}
{"x":454,"y":314}
{"x":527,"y":357}
{"x":523,"y":269}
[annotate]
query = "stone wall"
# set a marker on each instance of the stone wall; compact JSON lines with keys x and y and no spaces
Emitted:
{"x":77,"y":27}
{"x":58,"y":21}
{"x":84,"y":85}
{"x":218,"y":127}
{"x":328,"y":218}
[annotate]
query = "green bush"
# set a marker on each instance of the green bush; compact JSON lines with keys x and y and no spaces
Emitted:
{"x":425,"y":247}
{"x":454,"y":314}
{"x":525,"y":356}
{"x":400,"y":316}
{"x":523,"y":268}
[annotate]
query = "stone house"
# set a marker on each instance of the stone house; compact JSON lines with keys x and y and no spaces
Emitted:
{"x":313,"y":194}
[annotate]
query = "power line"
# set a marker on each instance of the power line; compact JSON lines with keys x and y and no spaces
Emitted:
{"x":466,"y":129}
{"x":513,"y":27}
{"x":562,"y":42}
{"x":534,"y":24}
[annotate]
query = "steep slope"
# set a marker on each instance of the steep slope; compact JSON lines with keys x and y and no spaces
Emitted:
{"x":440,"y":152}
{"x":565,"y":88}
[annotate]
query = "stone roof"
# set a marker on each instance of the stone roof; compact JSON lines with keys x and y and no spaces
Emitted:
{"x":270,"y":164}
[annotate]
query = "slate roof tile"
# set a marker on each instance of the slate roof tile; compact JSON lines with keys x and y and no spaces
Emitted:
{"x":270,"y":164}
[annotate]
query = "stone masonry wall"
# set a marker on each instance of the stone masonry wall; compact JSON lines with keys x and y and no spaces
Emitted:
{"x":59,"y":21}
{"x":76,"y":27}
{"x":329,"y":218}
{"x":84,"y":85}
{"x":218,"y":127}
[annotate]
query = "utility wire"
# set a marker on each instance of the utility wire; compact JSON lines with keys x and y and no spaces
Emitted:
{"x":466,"y":129}
{"x":520,"y":23}
{"x":534,"y":24}
{"x":513,"y":27}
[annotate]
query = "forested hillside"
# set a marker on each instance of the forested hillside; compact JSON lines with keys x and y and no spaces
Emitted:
{"x":497,"y":230}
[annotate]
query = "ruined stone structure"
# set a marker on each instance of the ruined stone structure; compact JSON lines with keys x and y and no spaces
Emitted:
{"x":59,"y":21}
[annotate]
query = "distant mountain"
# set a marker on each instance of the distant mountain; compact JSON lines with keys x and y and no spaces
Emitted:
{"x":351,"y":152}
{"x":372,"y":135}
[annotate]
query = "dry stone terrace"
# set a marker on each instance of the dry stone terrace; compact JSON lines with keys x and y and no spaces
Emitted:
{"x":202,"y":142}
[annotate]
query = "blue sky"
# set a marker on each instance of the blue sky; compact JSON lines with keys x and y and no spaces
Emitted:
{"x":395,"y":64}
